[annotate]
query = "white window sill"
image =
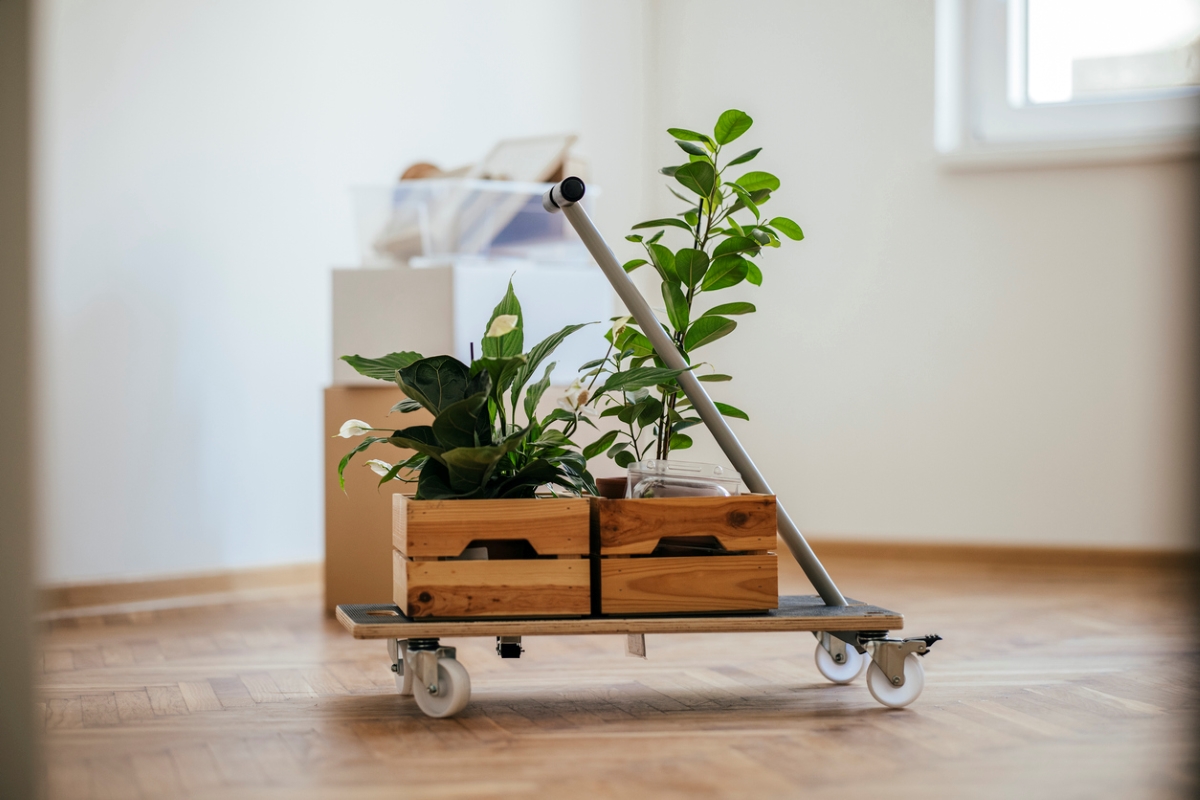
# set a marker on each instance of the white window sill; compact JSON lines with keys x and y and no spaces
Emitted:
{"x":977,"y":157}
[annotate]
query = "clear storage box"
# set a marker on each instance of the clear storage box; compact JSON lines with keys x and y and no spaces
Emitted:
{"x":663,"y":478}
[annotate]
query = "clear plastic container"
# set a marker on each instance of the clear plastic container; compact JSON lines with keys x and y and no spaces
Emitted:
{"x":663,"y":478}
{"x":461,"y":216}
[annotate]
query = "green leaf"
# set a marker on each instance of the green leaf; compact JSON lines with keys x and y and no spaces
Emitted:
{"x":698,"y":176}
{"x":716,"y":377}
{"x":630,"y":266}
{"x":538,"y":353}
{"x":744,"y":157}
{"x":730,"y":411}
{"x":677,"y":306}
{"x":499,"y":371}
{"x":747,"y":201}
{"x":624,"y":458}
{"x":420,"y":438}
{"x":534,"y":395}
{"x":511,"y":343}
{"x":692,"y":149}
{"x":600,"y":445}
{"x":690,"y":266}
{"x":680,"y":441}
{"x":731,"y":309}
{"x":405,"y":406}
{"x":664,"y":261}
{"x":470,"y":467}
{"x":363,"y":445}
{"x":661,"y":223}
{"x":753,"y":273}
{"x":736,"y":244}
{"x":633,"y":237}
{"x":669,"y":171}
{"x":457,"y":424}
{"x":384,"y":368}
{"x":655,"y":237}
{"x":689,"y":136}
{"x":707,"y":329}
{"x":731,"y":125}
{"x":787,"y":228}
{"x":438,"y":381}
{"x":756,"y":181}
{"x":725,"y":271}
{"x":652,"y":409}
{"x":639,"y":378}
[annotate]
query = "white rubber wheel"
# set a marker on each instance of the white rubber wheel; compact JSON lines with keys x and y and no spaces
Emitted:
{"x":897,"y":696}
{"x":404,"y":682}
{"x":454,"y":690}
{"x":856,"y":662}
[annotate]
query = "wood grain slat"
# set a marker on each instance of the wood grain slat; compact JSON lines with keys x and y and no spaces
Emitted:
{"x":444,"y":528}
{"x":508,"y":588}
{"x":635,"y":527}
{"x":688,"y":584}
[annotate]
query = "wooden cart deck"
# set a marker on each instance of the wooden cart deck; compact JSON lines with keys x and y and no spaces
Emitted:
{"x":795,"y":613}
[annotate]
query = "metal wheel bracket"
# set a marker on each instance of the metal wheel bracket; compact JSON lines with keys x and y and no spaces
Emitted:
{"x":423,"y":657}
{"x":835,"y":644}
{"x":396,"y":649}
{"x":889,"y":654}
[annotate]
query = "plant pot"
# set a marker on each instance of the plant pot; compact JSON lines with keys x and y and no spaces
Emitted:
{"x":684,"y":555}
{"x":535,"y":564}
{"x":612,"y":488}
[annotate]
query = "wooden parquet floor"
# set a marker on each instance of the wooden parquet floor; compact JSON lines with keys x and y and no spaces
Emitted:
{"x":1057,"y":684}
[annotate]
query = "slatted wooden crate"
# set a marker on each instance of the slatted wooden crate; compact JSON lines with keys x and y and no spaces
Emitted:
{"x":629,"y":578}
{"x":428,"y":536}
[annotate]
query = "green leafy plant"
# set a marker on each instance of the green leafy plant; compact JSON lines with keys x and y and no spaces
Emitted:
{"x":476,"y":447}
{"x":720,"y":252}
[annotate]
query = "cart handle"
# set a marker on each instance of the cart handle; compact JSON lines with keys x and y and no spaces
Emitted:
{"x":565,"y":197}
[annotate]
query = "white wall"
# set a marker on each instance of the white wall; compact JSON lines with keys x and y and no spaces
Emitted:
{"x":194,"y":165}
{"x":992,"y":357}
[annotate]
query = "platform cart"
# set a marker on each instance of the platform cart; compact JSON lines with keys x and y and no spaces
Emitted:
{"x":852,"y":637}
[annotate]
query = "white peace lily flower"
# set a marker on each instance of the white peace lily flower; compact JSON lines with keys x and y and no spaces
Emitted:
{"x":619,"y":325}
{"x":505,"y":323}
{"x":574,"y":397}
{"x":354,"y":427}
{"x":380,"y":468}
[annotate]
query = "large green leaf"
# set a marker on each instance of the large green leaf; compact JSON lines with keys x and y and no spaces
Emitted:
{"x":744,"y":157}
{"x":664,"y":261}
{"x":420,"y":438}
{"x":698,"y":176}
{"x":707,"y":329}
{"x":630,"y":266}
{"x":680,"y":441}
{"x":511,"y":343}
{"x":671,"y":222}
{"x":639,"y":378}
{"x":734,"y":245}
{"x":436,"y":382}
{"x":787,"y":227}
{"x":691,"y":149}
{"x":756,"y":181}
{"x":731,"y":125}
{"x":434,"y":484}
{"x":753,"y":273}
{"x":731,"y":411}
{"x":731,"y":309}
{"x":690,"y":266}
{"x":534,"y":395}
{"x":383,"y":368}
{"x":689,"y":136}
{"x":470,"y":467}
{"x":715,"y":377}
{"x":600,"y":445}
{"x":458,"y":424}
{"x":725,"y":271}
{"x":677,"y":306}
{"x":538,"y":353}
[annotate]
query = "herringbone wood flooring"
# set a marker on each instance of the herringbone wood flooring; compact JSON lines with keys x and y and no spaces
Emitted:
{"x":1059,"y":683}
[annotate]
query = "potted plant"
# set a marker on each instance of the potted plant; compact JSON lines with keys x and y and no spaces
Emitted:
{"x":476,"y":540}
{"x":698,"y":554}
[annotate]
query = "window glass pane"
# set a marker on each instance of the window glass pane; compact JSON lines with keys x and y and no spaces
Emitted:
{"x":1083,"y":49}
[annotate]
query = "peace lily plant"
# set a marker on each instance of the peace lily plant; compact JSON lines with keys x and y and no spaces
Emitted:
{"x":723,"y":232}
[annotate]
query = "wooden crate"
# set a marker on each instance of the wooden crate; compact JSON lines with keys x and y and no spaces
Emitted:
{"x":629,"y":579}
{"x":429,"y":535}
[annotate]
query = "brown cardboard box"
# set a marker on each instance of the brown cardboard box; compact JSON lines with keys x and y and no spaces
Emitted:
{"x":358,"y":522}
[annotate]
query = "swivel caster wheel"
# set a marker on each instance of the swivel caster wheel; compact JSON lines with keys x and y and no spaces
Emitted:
{"x":401,"y":671}
{"x":847,"y":671}
{"x":892,"y":696}
{"x":450,"y":694}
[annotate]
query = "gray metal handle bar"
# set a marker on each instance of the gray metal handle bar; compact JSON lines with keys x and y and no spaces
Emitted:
{"x":565,"y":197}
